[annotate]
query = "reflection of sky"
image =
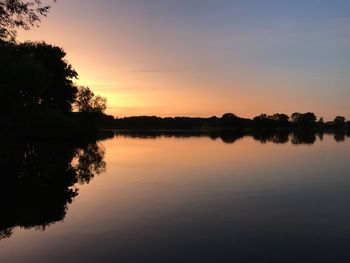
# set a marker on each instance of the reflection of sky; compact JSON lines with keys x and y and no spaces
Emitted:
{"x":208,"y":57}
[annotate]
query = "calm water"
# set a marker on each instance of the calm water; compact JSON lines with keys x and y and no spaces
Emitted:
{"x":148,"y":198}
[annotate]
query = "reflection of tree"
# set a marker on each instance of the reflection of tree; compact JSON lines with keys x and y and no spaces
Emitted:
{"x":38,"y":181}
{"x":320,"y":136}
{"x":278,"y":137}
{"x":339,"y":136}
{"x":89,"y":162}
{"x":282,"y":136}
{"x":303,"y":137}
{"x":231,"y":137}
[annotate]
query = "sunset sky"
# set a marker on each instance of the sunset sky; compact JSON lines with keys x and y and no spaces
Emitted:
{"x":207,"y":57}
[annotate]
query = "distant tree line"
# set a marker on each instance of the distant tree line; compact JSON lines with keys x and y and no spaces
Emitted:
{"x":228,"y":121}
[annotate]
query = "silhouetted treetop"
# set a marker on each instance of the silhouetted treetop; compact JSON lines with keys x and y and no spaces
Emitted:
{"x":339,"y":121}
{"x":229,"y":116}
{"x":16,"y":14}
{"x":38,"y":92}
{"x":260,"y":117}
{"x":35,"y":77}
{"x":308,"y":118}
{"x":87,"y":101}
{"x":281,"y":117}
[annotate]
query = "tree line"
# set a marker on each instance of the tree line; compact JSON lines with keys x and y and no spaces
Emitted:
{"x":228,"y":121}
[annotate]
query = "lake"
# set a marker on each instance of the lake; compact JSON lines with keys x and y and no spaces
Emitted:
{"x":155,"y":197}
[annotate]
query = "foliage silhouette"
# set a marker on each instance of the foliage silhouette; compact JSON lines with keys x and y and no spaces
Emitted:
{"x":229,"y":121}
{"x":339,"y":121}
{"x":264,"y":121}
{"x":36,"y":77}
{"x":303,"y":119}
{"x":38,"y":93}
{"x":87,"y":102}
{"x":20,"y":14}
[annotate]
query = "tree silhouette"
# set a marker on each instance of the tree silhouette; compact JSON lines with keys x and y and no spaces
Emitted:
{"x":295,"y":117}
{"x":261,"y":117}
{"x":37,"y":88}
{"x":229,"y":116}
{"x":280,"y":117}
{"x":264,"y":121}
{"x":35,"y":77}
{"x":232,"y":121}
{"x":339,"y":121}
{"x":303,"y":119}
{"x":87,"y":101}
{"x":20,"y":14}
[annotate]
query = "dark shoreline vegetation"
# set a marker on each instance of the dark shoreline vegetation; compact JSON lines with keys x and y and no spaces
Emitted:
{"x":229,"y":122}
{"x":39,"y":97}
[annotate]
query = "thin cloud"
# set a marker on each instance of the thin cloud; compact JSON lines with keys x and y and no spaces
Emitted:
{"x":155,"y":70}
{"x":110,"y":88}
{"x":183,"y":69}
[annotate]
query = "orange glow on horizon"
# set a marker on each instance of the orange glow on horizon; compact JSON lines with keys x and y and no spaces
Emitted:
{"x":139,"y":76}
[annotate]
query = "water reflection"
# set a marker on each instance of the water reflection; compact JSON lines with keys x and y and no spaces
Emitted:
{"x":38,"y":180}
{"x":339,"y":136}
{"x":298,"y":137}
{"x":185,"y":197}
